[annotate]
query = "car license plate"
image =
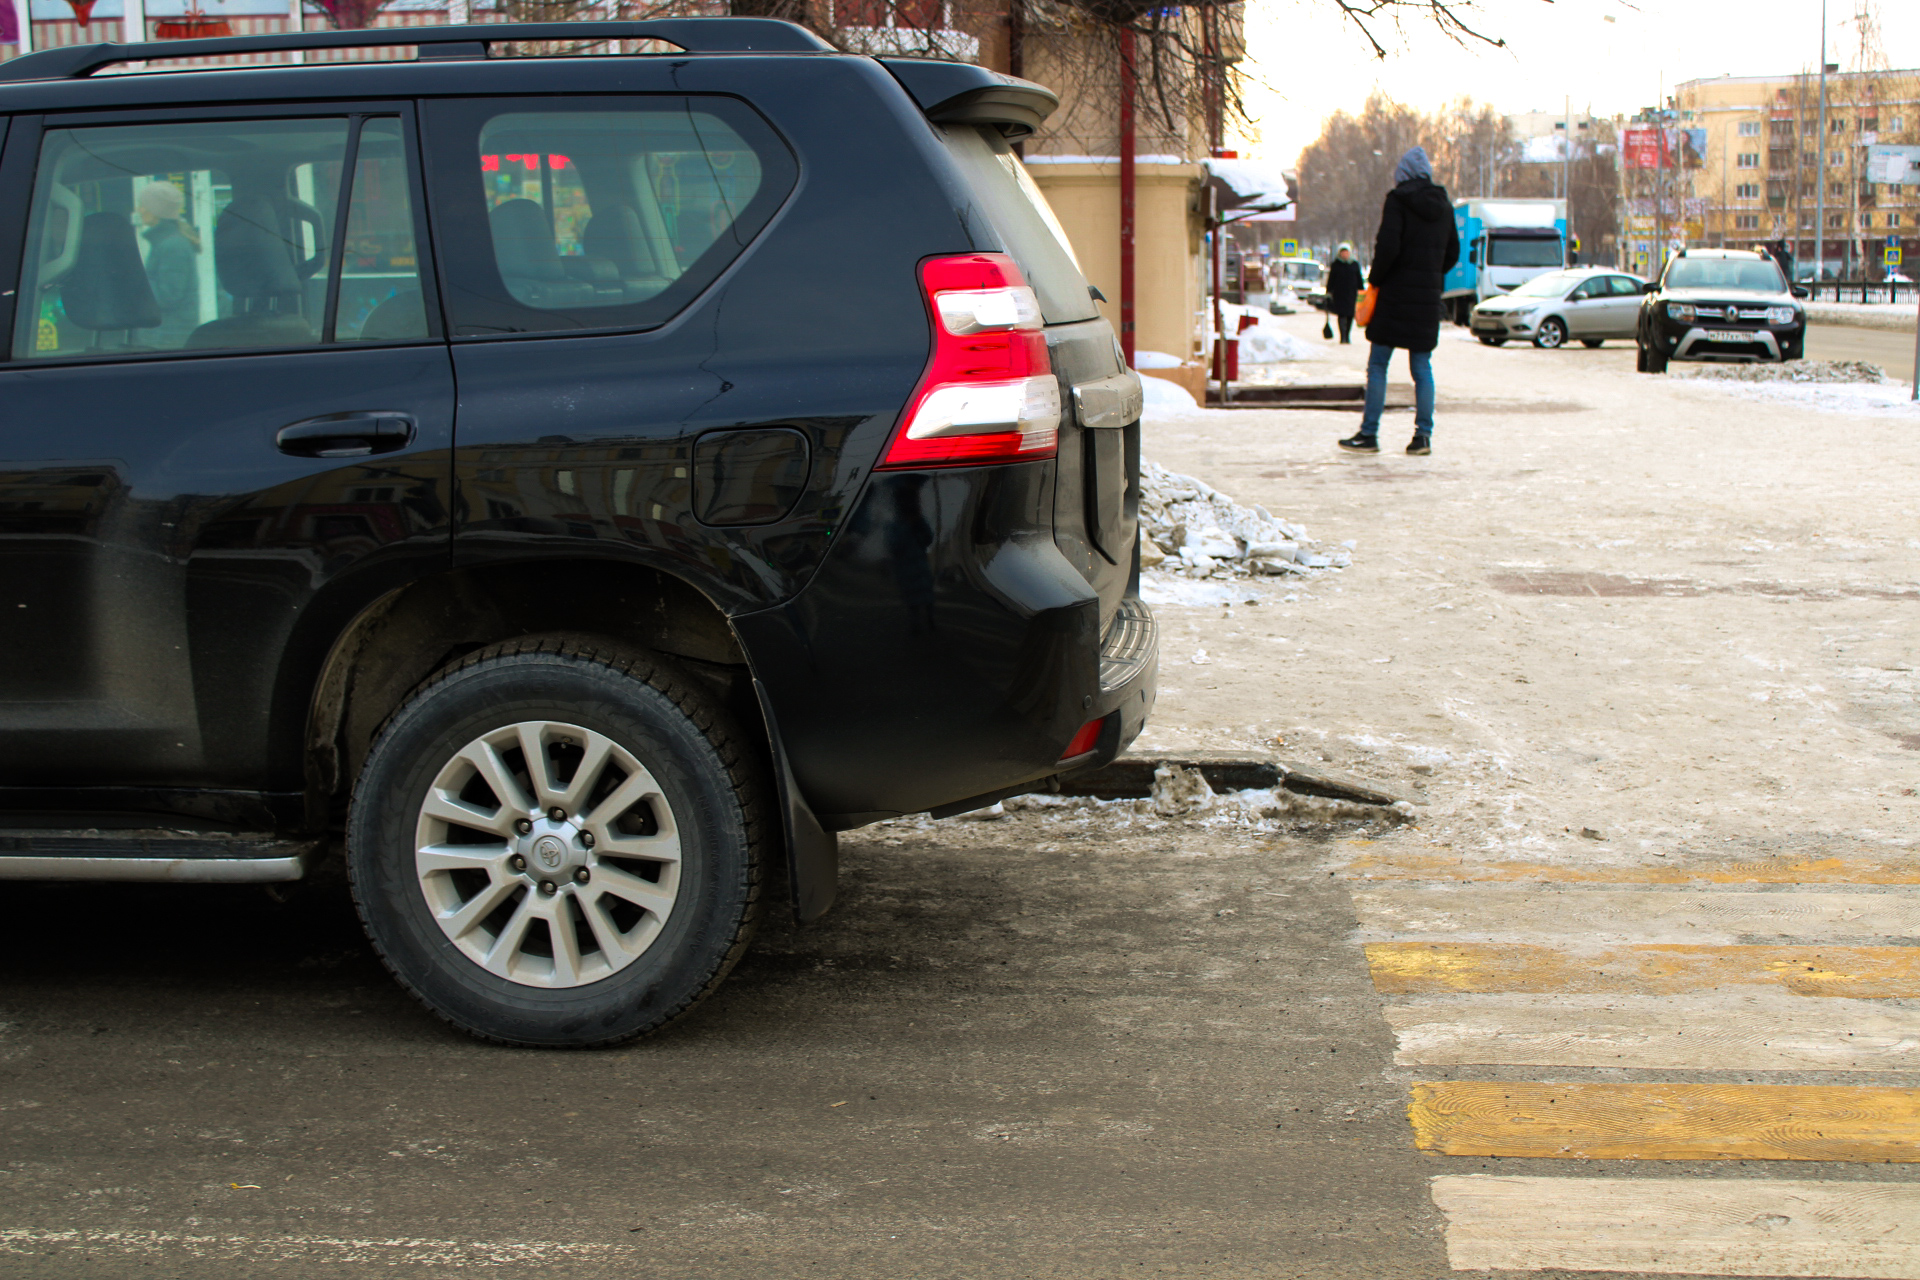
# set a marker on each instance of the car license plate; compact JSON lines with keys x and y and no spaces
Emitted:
{"x":1728,"y":335}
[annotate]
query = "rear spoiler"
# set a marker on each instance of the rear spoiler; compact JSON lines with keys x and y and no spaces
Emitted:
{"x":961,"y":93}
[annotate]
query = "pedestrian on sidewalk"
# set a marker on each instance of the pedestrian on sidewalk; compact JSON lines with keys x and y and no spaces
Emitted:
{"x":1343,"y":290}
{"x":1412,"y":254}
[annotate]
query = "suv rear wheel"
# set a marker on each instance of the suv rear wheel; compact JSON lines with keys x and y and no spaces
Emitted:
{"x":553,"y":844}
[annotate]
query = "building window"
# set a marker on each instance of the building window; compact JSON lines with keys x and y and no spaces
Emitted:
{"x":1838,"y":221}
{"x":1808,"y":128}
{"x":1870,"y":124}
{"x":1749,"y":128}
{"x":1835,"y":159}
{"x":1899,"y":123}
{"x":1747,"y":160}
{"x":921,"y":15}
{"x":1747,"y":221}
{"x":1837,"y":125}
{"x":1893,"y":220}
{"x":1747,"y":191}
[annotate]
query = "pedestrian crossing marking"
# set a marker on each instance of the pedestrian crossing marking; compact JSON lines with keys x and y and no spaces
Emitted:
{"x":1666,"y":1121}
{"x":1426,"y":866}
{"x":1658,"y":1033}
{"x":1446,"y":968}
{"x":1512,"y":912}
{"x":1682,"y":1226}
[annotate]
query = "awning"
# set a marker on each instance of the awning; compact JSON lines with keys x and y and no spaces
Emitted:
{"x":1250,"y":186}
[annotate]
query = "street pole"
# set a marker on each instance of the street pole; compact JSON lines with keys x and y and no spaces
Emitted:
{"x":1127,"y":148}
{"x":1820,"y":179}
{"x":1566,"y":164}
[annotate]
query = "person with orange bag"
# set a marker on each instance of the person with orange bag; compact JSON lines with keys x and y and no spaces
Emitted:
{"x":1415,"y":248}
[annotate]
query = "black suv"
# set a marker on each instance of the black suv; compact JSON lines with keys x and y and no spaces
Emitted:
{"x":1720,"y":304}
{"x":576,"y":486}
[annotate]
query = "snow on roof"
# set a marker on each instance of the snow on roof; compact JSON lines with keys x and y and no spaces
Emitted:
{"x":1251,"y":183}
{"x":1543,"y":150}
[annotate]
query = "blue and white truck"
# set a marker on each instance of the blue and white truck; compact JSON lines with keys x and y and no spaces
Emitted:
{"x":1503,"y":244}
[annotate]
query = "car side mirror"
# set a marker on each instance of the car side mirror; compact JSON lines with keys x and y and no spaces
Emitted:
{"x":1801,"y":291}
{"x":1578,"y":295}
{"x":1651,"y":286}
{"x":1473,"y":254}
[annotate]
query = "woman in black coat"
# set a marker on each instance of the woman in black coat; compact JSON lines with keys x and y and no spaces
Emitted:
{"x":1416,"y":247}
{"x":1343,"y":290}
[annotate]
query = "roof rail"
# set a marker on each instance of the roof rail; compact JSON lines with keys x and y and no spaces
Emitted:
{"x":695,"y":35}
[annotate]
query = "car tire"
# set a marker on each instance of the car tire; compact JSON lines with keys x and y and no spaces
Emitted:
{"x":1592,"y":344}
{"x":1551,"y":334}
{"x":1654,"y":360}
{"x":1491,"y":341}
{"x":618,"y":889}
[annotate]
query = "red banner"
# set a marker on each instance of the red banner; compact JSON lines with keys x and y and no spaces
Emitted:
{"x":1642,"y":146}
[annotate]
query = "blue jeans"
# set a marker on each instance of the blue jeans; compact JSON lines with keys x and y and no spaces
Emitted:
{"x":1422,"y":364}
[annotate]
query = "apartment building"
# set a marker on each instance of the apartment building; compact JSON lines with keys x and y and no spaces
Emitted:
{"x":1760,"y":178}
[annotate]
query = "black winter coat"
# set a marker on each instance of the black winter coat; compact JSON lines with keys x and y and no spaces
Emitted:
{"x":1416,"y":248}
{"x":1343,"y":286}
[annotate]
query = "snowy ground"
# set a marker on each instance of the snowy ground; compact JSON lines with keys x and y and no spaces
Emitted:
{"x":1848,"y":386}
{"x":1870,"y":315}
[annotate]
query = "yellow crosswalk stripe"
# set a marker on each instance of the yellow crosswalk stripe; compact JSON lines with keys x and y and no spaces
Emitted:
{"x":1446,"y":968}
{"x":1666,"y":1121}
{"x":1428,"y":866}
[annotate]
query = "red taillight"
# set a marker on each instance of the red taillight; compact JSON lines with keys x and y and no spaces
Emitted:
{"x":989,"y":394}
{"x":1084,"y":741}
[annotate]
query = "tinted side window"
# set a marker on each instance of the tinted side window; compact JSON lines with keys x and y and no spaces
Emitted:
{"x":597,"y":214}
{"x":209,"y":235}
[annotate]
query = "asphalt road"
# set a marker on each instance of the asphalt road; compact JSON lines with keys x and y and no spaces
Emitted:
{"x":1024,"y":1048}
{"x":1891,"y":350}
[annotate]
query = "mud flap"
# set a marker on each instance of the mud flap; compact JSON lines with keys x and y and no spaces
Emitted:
{"x":813,"y":852}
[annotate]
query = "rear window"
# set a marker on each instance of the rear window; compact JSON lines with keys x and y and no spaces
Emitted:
{"x":1026,"y":225}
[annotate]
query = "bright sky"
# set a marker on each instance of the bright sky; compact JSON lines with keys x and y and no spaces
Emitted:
{"x":1307,"y":61}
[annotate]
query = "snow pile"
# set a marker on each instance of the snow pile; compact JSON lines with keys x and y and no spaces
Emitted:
{"x":1162,"y":397}
{"x":1196,"y":531}
{"x":1261,"y":345}
{"x":1156,"y":360}
{"x":1856,"y":371}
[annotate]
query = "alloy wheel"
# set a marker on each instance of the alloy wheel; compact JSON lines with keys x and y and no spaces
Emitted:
{"x":547,"y":854}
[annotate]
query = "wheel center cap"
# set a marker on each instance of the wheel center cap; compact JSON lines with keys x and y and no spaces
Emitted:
{"x":550,"y":852}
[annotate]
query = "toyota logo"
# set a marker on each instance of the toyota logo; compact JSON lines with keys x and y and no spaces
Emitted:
{"x":550,"y":851}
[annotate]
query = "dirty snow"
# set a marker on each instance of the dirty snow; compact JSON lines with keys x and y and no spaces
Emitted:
{"x":1841,"y":371}
{"x":1830,"y":386}
{"x":1195,"y":531}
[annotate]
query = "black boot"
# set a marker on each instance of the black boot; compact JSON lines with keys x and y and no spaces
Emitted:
{"x":1361,"y":442}
{"x":1421,"y":445}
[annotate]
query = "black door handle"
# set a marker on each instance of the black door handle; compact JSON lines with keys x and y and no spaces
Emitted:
{"x":346,"y":435}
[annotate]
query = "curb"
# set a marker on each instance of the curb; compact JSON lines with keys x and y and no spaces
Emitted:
{"x":1131,"y":777}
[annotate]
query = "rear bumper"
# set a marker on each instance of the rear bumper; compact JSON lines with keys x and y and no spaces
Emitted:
{"x":946,"y":650}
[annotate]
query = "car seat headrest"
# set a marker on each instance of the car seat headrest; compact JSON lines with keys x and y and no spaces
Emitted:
{"x":107,"y":288}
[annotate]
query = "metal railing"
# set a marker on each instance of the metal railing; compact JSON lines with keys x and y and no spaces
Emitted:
{"x":1861,"y":290}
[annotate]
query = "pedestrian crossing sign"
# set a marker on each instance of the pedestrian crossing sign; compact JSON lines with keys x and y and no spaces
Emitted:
{"x":1893,"y":256}
{"x":1289,"y":248}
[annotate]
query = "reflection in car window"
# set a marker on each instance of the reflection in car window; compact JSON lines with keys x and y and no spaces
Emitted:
{"x":1746,"y":274}
{"x":380,"y":298}
{"x":600,"y":209}
{"x":202,"y":236}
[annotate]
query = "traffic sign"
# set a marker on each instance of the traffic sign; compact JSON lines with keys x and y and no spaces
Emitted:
{"x":1290,"y":248}
{"x":1892,"y":256}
